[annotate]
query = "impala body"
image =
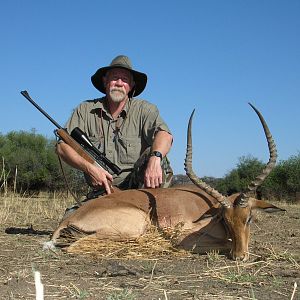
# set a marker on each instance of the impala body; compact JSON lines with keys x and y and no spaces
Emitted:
{"x":203,"y":218}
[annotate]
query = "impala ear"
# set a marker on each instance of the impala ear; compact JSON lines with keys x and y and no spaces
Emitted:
{"x":265,"y":206}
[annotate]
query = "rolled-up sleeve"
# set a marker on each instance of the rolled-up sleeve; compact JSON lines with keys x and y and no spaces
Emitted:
{"x":153,"y":123}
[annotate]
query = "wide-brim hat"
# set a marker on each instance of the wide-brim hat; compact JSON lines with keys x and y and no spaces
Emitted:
{"x":122,"y":62}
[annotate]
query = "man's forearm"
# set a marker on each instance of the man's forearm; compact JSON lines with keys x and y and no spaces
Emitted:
{"x":162,"y":142}
{"x":98,"y":176}
{"x":71,"y":157}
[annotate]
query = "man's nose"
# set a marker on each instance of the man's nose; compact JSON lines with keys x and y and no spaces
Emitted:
{"x":120,"y":82}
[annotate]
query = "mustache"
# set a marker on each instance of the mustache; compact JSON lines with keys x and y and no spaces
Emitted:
{"x":116,"y":89}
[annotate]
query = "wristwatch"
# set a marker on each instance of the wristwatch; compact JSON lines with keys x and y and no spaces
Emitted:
{"x":157,"y":154}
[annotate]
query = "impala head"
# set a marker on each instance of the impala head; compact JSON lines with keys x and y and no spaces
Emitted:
{"x":237,"y":209}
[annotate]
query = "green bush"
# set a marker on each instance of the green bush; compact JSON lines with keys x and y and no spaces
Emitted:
{"x":239,"y":178}
{"x":37,"y":165}
{"x":284,"y":182}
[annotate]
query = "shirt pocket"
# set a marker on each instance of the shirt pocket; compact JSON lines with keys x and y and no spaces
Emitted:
{"x":129,"y":150}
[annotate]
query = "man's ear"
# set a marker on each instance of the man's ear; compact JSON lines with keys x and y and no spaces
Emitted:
{"x":132,"y":90}
{"x":132,"y":85}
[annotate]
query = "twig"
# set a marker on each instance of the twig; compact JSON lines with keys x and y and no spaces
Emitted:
{"x":165,"y":293}
{"x":245,"y":265}
{"x":264,"y":266}
{"x":256,"y":226}
{"x":15,"y":179}
{"x":294,"y":291}
{"x":151,"y":277}
{"x":238,"y":267}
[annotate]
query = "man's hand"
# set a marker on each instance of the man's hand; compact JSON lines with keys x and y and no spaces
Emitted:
{"x":100,"y":177}
{"x":153,"y":173}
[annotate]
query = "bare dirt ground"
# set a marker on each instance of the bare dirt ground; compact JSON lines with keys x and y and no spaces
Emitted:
{"x":271,"y":273}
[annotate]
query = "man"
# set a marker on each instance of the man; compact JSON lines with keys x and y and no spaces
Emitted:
{"x":128,"y":130}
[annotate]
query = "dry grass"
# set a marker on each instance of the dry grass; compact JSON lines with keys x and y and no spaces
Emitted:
{"x":148,"y":267}
{"x":16,"y":209}
{"x":152,"y":245}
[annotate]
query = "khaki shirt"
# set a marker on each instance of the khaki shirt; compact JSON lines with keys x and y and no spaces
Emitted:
{"x":122,"y":140}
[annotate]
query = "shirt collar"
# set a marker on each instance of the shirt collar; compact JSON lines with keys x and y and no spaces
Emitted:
{"x":101,"y":103}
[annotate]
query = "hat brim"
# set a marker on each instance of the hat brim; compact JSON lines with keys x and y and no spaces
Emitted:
{"x":139,"y":78}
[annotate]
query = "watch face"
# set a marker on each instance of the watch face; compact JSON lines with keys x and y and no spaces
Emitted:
{"x":156,"y":153}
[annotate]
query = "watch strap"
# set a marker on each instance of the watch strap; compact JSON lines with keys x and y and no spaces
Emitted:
{"x":156,"y":153}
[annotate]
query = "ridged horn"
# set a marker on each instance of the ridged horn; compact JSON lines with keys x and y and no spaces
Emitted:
{"x":244,"y":198}
{"x":193,"y":177}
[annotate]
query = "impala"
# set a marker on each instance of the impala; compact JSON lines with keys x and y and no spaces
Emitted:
{"x":207,"y":219}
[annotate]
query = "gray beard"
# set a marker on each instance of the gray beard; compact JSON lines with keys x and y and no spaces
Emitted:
{"x":117,"y":95}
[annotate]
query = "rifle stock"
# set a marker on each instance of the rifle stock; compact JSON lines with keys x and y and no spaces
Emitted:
{"x":63,"y":134}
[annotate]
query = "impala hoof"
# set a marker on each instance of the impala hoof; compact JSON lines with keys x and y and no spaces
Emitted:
{"x":243,"y":257}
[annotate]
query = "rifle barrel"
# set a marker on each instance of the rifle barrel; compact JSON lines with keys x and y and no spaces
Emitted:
{"x":26,"y":95}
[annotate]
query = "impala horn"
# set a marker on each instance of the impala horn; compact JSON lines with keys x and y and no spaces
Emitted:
{"x":193,"y":177}
{"x":244,"y":198}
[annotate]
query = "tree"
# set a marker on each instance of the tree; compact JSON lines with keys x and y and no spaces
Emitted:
{"x":284,"y":182}
{"x":33,"y":155}
{"x":239,"y":178}
{"x":26,"y":152}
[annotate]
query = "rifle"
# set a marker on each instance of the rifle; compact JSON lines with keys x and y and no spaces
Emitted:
{"x":79,"y":141}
